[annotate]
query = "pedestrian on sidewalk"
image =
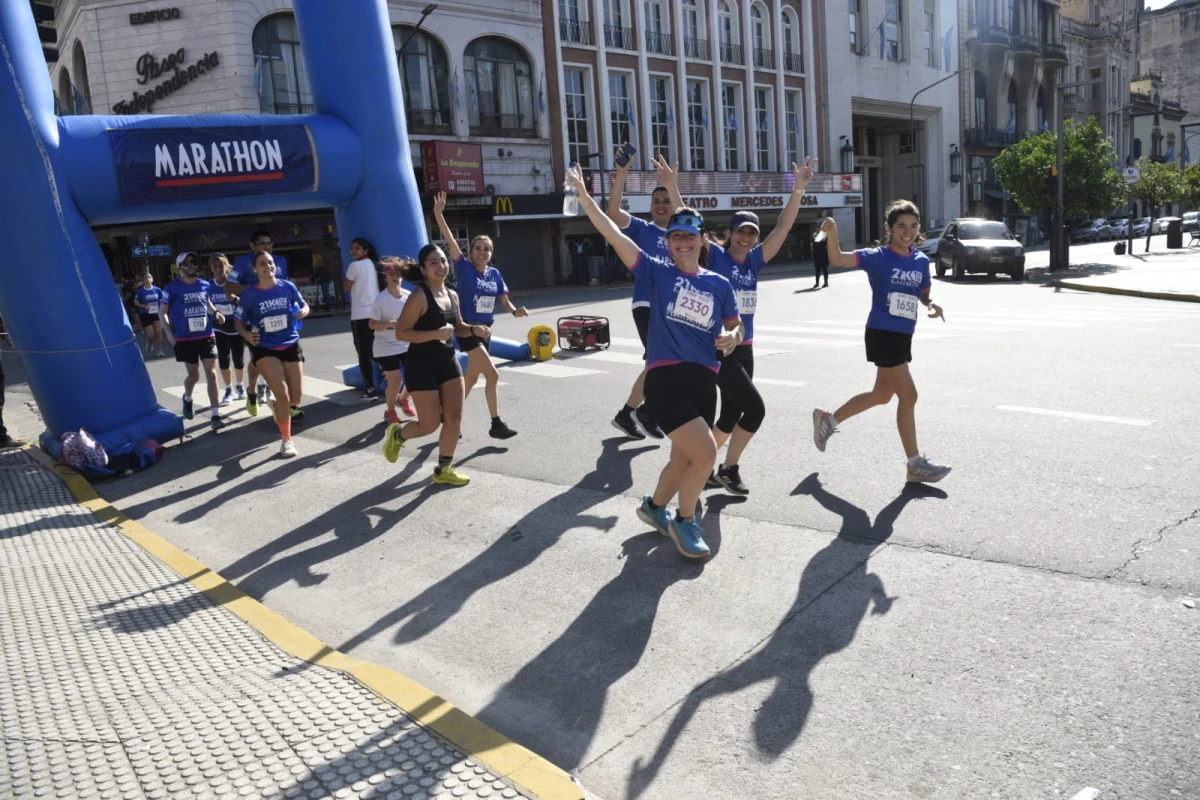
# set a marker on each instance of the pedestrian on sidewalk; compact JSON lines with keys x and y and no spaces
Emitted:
{"x":899,"y":278}
{"x":362,"y":286}
{"x":820,"y":251}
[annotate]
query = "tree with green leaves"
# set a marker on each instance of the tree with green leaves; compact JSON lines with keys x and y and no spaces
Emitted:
{"x":1090,"y":184}
{"x":1191,"y":185}
{"x":1160,"y":184}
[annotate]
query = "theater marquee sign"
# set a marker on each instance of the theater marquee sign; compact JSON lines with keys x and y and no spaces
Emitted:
{"x":748,"y":202}
{"x":738,"y":191}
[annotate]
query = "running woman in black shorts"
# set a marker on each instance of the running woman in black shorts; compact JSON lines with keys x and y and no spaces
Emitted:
{"x":231,"y":348}
{"x":899,"y":276}
{"x":148,"y":299}
{"x":429,"y":322}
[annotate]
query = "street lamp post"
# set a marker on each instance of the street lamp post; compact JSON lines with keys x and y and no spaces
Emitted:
{"x":425,"y":12}
{"x":912,"y":137}
{"x":1059,"y":245}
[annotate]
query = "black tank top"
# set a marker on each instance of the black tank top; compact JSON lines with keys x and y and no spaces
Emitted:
{"x":434,"y":319}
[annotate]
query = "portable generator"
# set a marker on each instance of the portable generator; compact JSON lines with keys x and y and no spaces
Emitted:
{"x":580,"y":333}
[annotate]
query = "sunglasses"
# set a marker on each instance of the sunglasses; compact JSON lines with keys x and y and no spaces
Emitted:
{"x":690,"y":220}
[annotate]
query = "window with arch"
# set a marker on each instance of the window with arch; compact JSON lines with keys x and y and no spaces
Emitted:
{"x":279,"y":71}
{"x":760,"y":36}
{"x":81,"y":102}
{"x":790,"y":30}
{"x":1078,"y":73}
{"x":1010,"y":126}
{"x":1041,"y":110}
{"x":695,"y":41}
{"x":65,"y":99}
{"x":727,"y":33}
{"x":500,"y":88}
{"x":424,"y":77}
{"x":980,"y":115}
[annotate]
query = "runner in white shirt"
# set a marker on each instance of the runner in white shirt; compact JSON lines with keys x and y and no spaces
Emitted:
{"x":362,"y":286}
{"x":388,"y":350}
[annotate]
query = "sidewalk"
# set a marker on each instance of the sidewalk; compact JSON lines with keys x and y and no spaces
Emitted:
{"x":1160,"y":274}
{"x":124,"y":679}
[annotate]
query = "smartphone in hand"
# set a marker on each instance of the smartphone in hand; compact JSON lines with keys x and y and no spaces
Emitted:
{"x":627,"y":152}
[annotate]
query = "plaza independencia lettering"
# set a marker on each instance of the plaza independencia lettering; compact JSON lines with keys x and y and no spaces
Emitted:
{"x":224,"y":162}
{"x":150,"y":68}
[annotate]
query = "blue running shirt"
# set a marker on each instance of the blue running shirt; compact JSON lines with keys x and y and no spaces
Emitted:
{"x":188,"y":310}
{"x":743,"y":277}
{"x":687,"y":313}
{"x":149,"y":297}
{"x":650,"y":239}
{"x":896,"y":285}
{"x":477,"y":292}
{"x":272,"y":312}
{"x":223,"y":303}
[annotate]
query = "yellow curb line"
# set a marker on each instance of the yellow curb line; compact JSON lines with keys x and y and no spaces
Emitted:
{"x":500,"y":755}
{"x":1084,"y":287}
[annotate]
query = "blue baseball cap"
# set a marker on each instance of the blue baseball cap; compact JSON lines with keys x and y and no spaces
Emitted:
{"x":743,"y":218}
{"x":687,"y":222}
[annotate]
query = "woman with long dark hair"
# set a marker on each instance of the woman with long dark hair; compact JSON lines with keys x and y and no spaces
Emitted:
{"x":429,"y":322}
{"x":362,"y":287}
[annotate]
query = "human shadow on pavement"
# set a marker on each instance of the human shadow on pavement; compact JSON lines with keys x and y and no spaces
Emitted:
{"x":799,"y":644}
{"x":527,"y":538}
{"x":555,"y":702}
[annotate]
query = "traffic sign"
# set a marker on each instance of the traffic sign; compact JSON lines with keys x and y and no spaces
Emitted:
{"x":152,"y":251}
{"x":1132,"y":174}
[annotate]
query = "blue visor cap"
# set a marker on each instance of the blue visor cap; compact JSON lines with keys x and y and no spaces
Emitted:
{"x":688,"y":223}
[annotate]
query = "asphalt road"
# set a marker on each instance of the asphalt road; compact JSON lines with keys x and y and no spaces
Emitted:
{"x":1017,"y":631}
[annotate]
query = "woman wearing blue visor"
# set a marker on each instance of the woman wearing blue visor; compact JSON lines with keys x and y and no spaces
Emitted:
{"x":691,"y":310}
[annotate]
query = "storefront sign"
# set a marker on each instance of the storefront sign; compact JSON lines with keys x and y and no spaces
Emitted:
{"x":150,"y":67}
{"x":640,"y":204}
{"x":452,"y":167}
{"x":159,"y":15}
{"x":165,"y":164}
{"x":517,"y":207}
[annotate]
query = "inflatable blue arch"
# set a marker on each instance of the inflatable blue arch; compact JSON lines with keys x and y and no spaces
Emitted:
{"x":62,"y":175}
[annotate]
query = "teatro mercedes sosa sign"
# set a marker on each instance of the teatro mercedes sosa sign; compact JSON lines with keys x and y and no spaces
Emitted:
{"x":157,"y":165}
{"x":640,"y":204}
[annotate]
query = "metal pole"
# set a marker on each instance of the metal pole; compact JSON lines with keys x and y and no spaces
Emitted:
{"x":1059,"y":245}
{"x":912,"y":137}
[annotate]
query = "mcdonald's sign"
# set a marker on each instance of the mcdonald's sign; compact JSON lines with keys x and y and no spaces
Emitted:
{"x":503,"y":206}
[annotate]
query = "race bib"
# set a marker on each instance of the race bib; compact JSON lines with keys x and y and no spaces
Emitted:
{"x":224,"y":308}
{"x":747,"y":301}
{"x":902,"y":305}
{"x":694,"y":307}
{"x":275,"y":324}
{"x":485,"y":304}
{"x":152,"y":308}
{"x":197,"y":324}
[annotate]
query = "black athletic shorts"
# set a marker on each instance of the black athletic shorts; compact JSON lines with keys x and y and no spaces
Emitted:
{"x":391,"y":363}
{"x":888,"y":348}
{"x":147,"y":319}
{"x":641,"y":318}
{"x":469,"y":343}
{"x":291,"y":354}
{"x":680,"y":393}
{"x":231,"y":348}
{"x":193,"y":351}
{"x":425,"y":373}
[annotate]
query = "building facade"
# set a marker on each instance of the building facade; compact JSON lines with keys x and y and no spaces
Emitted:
{"x":1169,"y":46}
{"x":1013,"y":55}
{"x":729,"y":89}
{"x":1100,"y":37}
{"x":474,"y":75}
{"x":892,"y":102}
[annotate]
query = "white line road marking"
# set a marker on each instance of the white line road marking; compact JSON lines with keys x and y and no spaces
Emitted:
{"x":801,"y":340}
{"x":1187,"y":344}
{"x":1076,"y":415}
{"x":314,"y":389}
{"x":610,"y":355}
{"x":623,"y":342}
{"x":777,"y":382}
{"x":857,"y":329}
{"x":545,"y":370}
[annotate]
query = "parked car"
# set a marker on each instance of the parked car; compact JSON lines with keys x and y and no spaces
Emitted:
{"x":1191,"y":221}
{"x":979,"y":245}
{"x":1141,"y":226}
{"x":1120,"y":228}
{"x":929,"y":246}
{"x":1161,"y":223}
{"x":1098,"y":230}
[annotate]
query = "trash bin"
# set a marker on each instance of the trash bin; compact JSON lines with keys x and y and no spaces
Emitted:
{"x":1175,"y":234}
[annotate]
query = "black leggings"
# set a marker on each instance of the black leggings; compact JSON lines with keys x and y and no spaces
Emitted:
{"x":741,"y":404}
{"x":822,"y":270}
{"x":231,"y":348}
{"x":364,"y":345}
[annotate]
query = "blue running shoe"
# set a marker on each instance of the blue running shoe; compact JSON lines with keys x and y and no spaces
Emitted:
{"x":659,"y":520}
{"x":187,"y":409}
{"x":686,"y":535}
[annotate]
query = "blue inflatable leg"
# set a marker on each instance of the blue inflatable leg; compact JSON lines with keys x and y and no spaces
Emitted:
{"x":510,"y":350}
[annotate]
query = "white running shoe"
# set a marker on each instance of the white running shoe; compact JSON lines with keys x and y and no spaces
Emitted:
{"x":287,"y":449}
{"x":227,"y":398}
{"x":241,"y":392}
{"x":823,"y":428}
{"x":161,"y":353}
{"x":925,"y":471}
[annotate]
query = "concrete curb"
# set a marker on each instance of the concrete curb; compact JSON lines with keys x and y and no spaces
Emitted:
{"x":528,"y":771}
{"x":1084,"y":287}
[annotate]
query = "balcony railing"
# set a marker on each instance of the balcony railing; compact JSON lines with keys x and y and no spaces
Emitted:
{"x":575,"y":32}
{"x":294,"y":108}
{"x":427,"y":120}
{"x":661,"y":43}
{"x":1090,"y":30}
{"x":732,"y":54}
{"x":703,"y":182}
{"x":1076,"y":104}
{"x":485,"y":123}
{"x":792,"y":62}
{"x":990,"y":137}
{"x":764,"y":58}
{"x":618,"y":37}
{"x":1054,"y":51}
{"x":696,"y":48}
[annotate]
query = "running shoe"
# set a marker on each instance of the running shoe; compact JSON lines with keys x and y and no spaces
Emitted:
{"x":217,"y":424}
{"x":501,"y":431}
{"x":406,"y":405}
{"x":187,"y":410}
{"x":264,"y":393}
{"x":287,"y":449}
{"x":448,"y":477}
{"x":823,"y":428}
{"x":732,"y":481}
{"x":645,"y":422}
{"x":687,"y":538}
{"x":227,"y":398}
{"x":390,"y":416}
{"x":252,"y":405}
{"x":623,"y":422}
{"x":712,"y":482}
{"x":296,"y":414}
{"x":925,"y":471}
{"x":369,"y":394}
{"x":241,"y":393}
{"x":392,"y":443}
{"x":161,"y":353}
{"x":659,"y":519}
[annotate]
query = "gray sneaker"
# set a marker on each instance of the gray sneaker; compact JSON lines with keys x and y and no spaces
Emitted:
{"x":823,"y":428}
{"x":925,"y":471}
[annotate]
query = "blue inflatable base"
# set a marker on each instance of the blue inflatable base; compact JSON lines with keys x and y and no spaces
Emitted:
{"x":161,"y":425}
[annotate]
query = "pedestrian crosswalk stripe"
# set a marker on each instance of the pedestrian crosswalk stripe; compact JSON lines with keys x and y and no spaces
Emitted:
{"x":544,"y":370}
{"x":1076,"y":415}
{"x":777,"y":382}
{"x":314,"y":389}
{"x":610,"y":355}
